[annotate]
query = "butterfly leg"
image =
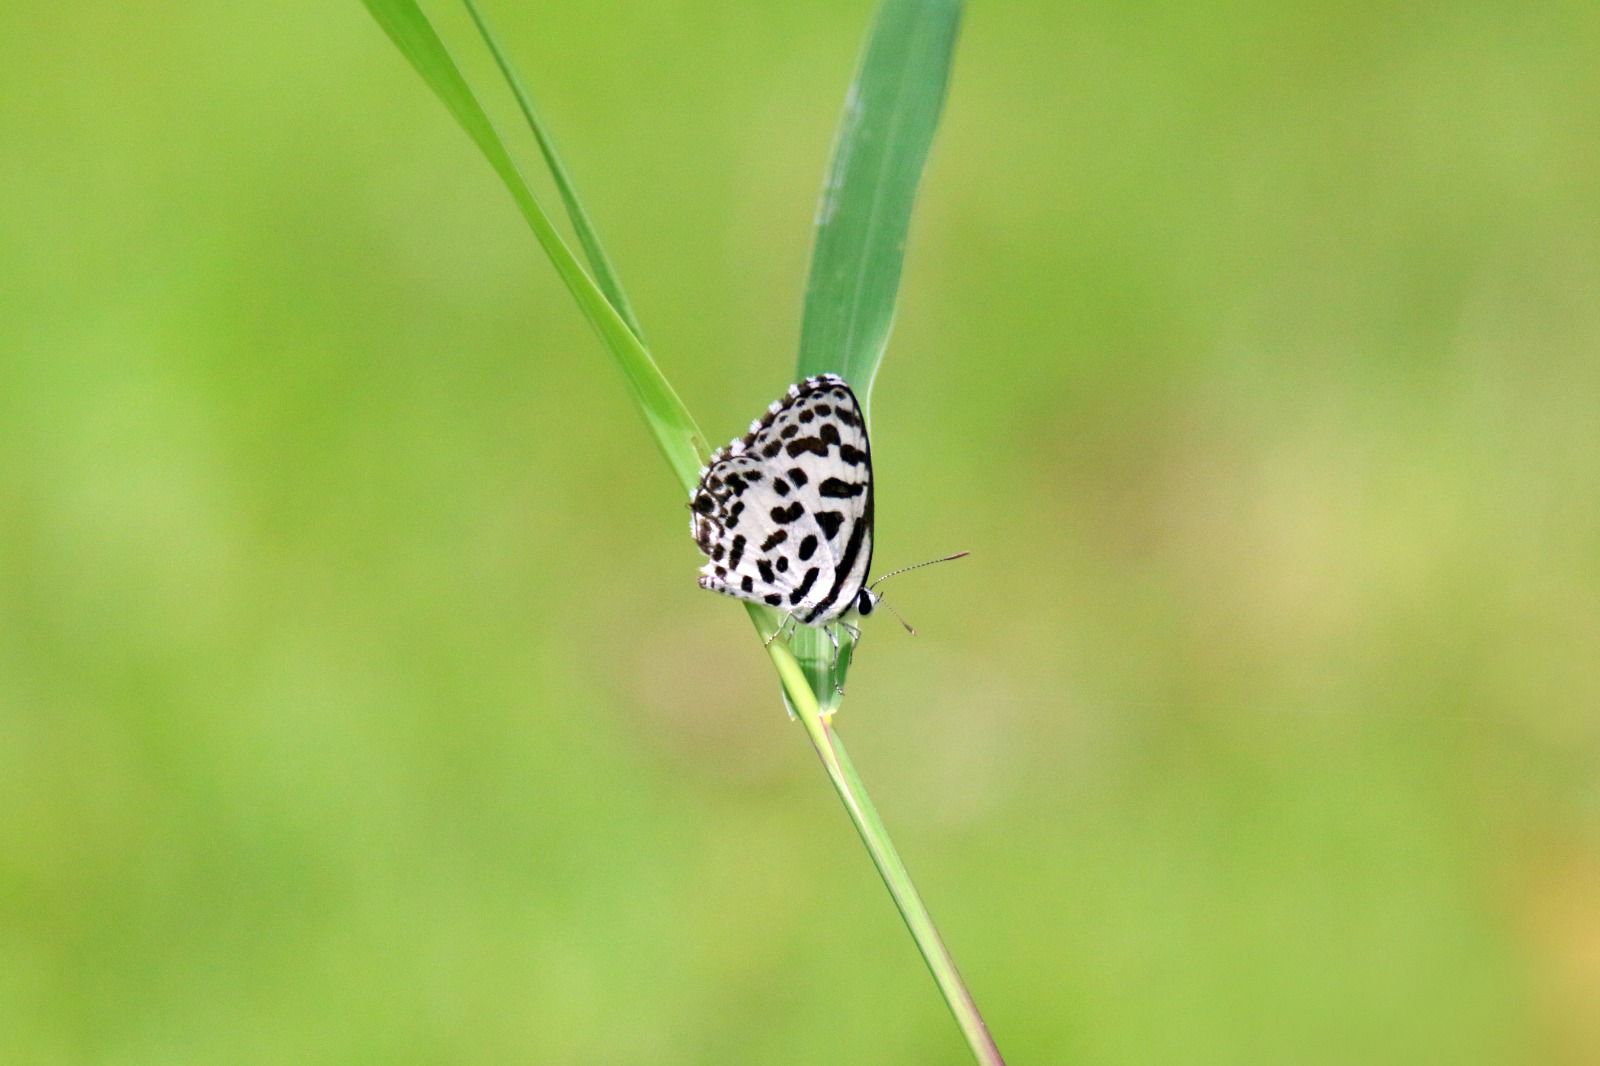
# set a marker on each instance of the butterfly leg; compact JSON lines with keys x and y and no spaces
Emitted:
{"x":855,"y":642}
{"x":785,"y":624}
{"x":833,"y":668}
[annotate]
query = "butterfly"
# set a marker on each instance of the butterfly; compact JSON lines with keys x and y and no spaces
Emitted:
{"x":784,"y":513}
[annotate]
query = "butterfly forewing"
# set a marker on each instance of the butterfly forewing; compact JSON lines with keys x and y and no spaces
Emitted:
{"x":785,"y":512}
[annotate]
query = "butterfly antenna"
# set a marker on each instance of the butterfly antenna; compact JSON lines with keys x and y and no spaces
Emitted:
{"x":900,"y":617}
{"x":915,"y":566}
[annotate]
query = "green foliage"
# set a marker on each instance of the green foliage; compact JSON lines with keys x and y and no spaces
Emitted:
{"x":887,"y":127}
{"x":355,"y":701}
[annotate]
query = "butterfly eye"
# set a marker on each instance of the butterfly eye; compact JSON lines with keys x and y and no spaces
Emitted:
{"x":866,"y":602}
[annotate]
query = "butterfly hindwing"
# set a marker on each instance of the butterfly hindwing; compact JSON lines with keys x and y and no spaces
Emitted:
{"x":740,"y":536}
{"x":785,"y":513}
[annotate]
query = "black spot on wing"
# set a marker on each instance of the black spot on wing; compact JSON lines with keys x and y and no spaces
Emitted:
{"x":798,"y":476}
{"x":747,"y":584}
{"x":834,"y":488}
{"x":736,"y":552}
{"x":772,"y":449}
{"x":830,"y":521}
{"x":766,"y":572}
{"x":783,"y":564}
{"x":804,"y":587}
{"x":780,"y":486}
{"x":704,"y":504}
{"x":849,"y":453}
{"x":802,"y":445}
{"x":772,"y":599}
{"x":829,"y":433}
{"x":785,"y":515}
{"x":808,"y":547}
{"x":777,"y":538}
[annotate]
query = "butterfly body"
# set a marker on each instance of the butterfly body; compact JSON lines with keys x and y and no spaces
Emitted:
{"x":784,"y":513}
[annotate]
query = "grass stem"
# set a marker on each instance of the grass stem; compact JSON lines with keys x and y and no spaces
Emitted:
{"x":864,"y":815}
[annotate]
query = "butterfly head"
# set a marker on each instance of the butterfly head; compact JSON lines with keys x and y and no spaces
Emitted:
{"x":867,"y":602}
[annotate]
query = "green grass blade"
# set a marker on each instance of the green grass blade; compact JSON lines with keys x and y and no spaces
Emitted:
{"x":890,"y":116}
{"x":605,"y":275}
{"x":884,"y":135}
{"x":674,"y":430}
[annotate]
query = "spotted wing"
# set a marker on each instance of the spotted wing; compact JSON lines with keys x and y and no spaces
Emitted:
{"x":785,"y":514}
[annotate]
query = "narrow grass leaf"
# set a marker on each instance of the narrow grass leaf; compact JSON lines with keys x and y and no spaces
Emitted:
{"x":890,"y":116}
{"x":605,"y":275}
{"x":674,"y":430}
{"x":880,"y":149}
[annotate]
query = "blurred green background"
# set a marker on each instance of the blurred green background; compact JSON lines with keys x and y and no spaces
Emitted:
{"x":357,"y":703}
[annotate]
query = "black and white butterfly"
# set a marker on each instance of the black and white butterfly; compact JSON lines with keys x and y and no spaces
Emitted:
{"x":784,"y":513}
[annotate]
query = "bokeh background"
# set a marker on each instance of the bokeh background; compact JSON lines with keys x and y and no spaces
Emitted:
{"x":357,"y":703}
